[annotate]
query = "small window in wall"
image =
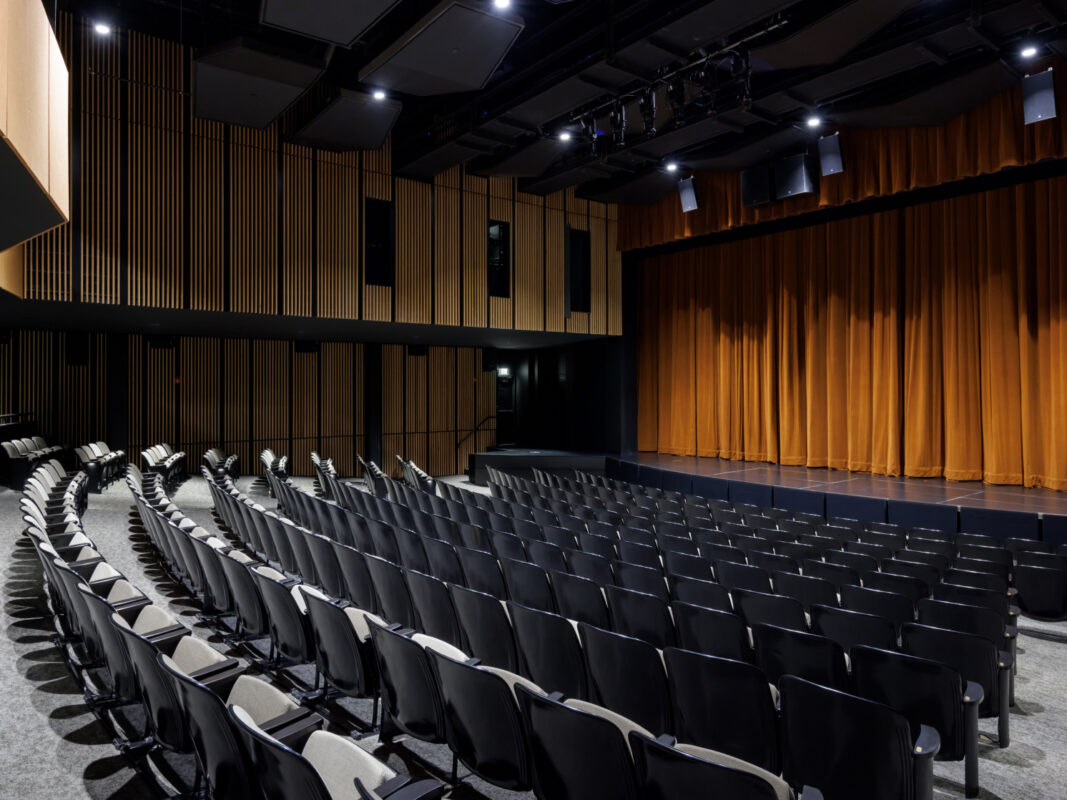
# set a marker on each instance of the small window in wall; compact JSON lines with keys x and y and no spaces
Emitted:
{"x":379,"y":238}
{"x":578,"y":258}
{"x":498,"y":259}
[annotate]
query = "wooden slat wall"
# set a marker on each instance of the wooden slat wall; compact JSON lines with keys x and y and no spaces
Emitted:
{"x":237,"y":412}
{"x":47,"y":257}
{"x":271,"y":393}
{"x":416,"y":407}
{"x":502,"y":208}
{"x":160,"y":423}
{"x":555,"y":269}
{"x":339,"y":251}
{"x":256,"y":240}
{"x":156,"y":171}
{"x":485,"y":405}
{"x":578,"y":219}
{"x":199,"y":396}
{"x":207,"y":251}
{"x":377,"y":183}
{"x":7,"y":367}
{"x":135,"y":399}
{"x":529,"y":289}
{"x":392,"y":406}
{"x":414,"y":251}
{"x":475,"y":240}
{"x":61,"y":396}
{"x":466,"y":404}
{"x":305,"y":413}
{"x":341,"y":404}
{"x":598,"y":269}
{"x":441,"y":457}
{"x":297,"y":233}
{"x":101,"y":205}
{"x":448,"y":247}
{"x":253,"y":221}
{"x":614,"y":298}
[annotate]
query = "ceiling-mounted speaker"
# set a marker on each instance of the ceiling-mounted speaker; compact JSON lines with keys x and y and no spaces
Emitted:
{"x":351,"y":121}
{"x":327,"y":20}
{"x":1039,"y":97}
{"x":794,"y":176}
{"x":830,"y":162}
{"x":688,"y":195}
{"x":756,"y":185}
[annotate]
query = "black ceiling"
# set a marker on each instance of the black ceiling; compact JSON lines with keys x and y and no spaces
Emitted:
{"x":732,"y":80}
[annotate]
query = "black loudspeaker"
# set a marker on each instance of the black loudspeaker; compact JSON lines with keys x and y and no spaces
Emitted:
{"x":77,"y":349}
{"x":306,"y":347}
{"x":756,"y":185}
{"x":830,"y":162}
{"x":1039,"y":97}
{"x":688,"y":195}
{"x":793,"y":176}
{"x":416,"y":350}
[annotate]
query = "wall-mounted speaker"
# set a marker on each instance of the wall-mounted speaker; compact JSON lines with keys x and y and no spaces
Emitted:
{"x":756,"y":186}
{"x":794,"y":176}
{"x":830,"y":162}
{"x":78,"y":349}
{"x":302,"y":346}
{"x":688,"y":195}
{"x":417,"y":350}
{"x":1039,"y":97}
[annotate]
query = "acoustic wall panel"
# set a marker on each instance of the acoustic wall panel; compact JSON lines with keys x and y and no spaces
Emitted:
{"x":466,"y":404}
{"x":270,"y":389}
{"x":578,"y":219}
{"x":598,"y":268}
{"x":237,"y":410}
{"x":207,"y":243}
{"x":416,"y":406}
{"x":529,"y":286}
{"x":304,"y":402}
{"x":393,"y":369}
{"x":135,"y":411}
{"x":253,"y":221}
{"x":377,"y":183}
{"x":485,"y":405}
{"x":555,"y":266}
{"x":441,"y":366}
{"x":448,"y":247}
{"x":155,"y":155}
{"x":614,"y":288}
{"x":199,"y":397}
{"x":160,"y":399}
{"x":337,"y":229}
{"x":297,"y":233}
{"x":414,"y":251}
{"x":341,"y":404}
{"x":475,"y":231}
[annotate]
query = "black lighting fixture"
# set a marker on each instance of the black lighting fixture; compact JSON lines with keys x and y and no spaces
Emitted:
{"x":618,"y":124}
{"x":648,"y":111}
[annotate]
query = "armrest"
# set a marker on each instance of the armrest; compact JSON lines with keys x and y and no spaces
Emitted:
{"x":557,"y":696}
{"x":809,"y":793}
{"x":928,"y":744}
{"x":1011,"y":631}
{"x":419,"y":790}
{"x":667,"y":739}
{"x":1005,"y":660}
{"x":473,"y":662}
{"x":974,"y":694}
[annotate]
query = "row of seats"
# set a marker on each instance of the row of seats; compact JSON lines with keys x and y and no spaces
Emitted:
{"x":473,"y":706}
{"x":102,"y":464}
{"x":689,"y":619}
{"x":23,"y":456}
{"x":163,"y":460}
{"x":324,"y":469}
{"x":218,"y":463}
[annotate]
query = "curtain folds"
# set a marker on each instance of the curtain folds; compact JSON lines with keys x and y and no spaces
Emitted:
{"x":927,"y":341}
{"x":879,"y":162}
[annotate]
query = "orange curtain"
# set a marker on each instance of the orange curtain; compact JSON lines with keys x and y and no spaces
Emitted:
{"x":930,"y":341}
{"x":878,"y":161}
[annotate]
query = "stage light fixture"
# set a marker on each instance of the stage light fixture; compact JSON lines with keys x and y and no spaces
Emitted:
{"x":814,"y":121}
{"x":378,"y":94}
{"x":503,"y":372}
{"x":672,"y":166}
{"x":1029,"y":51}
{"x":102,"y":28}
{"x":501,"y":4}
{"x":565,"y":136}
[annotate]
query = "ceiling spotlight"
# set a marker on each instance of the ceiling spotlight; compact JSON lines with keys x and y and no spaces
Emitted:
{"x":102,"y":28}
{"x":501,"y":4}
{"x":1029,"y":51}
{"x":672,"y":166}
{"x":565,"y":136}
{"x":379,"y":94}
{"x":814,"y":121}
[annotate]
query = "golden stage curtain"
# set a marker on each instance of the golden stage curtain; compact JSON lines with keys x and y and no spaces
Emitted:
{"x":928,"y":341}
{"x":878,"y":161}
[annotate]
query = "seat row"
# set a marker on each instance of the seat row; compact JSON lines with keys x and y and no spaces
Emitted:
{"x":163,"y":460}
{"x":22,"y":456}
{"x":218,"y":462}
{"x":102,"y":464}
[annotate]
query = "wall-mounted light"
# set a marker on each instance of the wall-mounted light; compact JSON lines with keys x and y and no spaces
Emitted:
{"x":102,"y":28}
{"x":503,"y":372}
{"x":378,"y":94}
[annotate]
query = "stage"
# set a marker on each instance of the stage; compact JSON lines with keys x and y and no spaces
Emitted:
{"x":970,"y":506}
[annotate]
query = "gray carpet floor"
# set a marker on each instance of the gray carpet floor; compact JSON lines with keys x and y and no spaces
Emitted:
{"x":51,"y":746}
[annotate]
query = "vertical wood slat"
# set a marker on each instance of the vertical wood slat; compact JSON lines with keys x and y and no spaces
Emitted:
{"x":441,"y":421}
{"x":614,"y":300}
{"x":207,"y":210}
{"x":485,"y":404}
{"x":236,"y":409}
{"x":305,"y":404}
{"x":448,"y":236}
{"x":297,"y":234}
{"x":475,"y":227}
{"x":598,"y":269}
{"x":340,"y":408}
{"x":270,"y":394}
{"x":393,"y":369}
{"x":415,"y":408}
{"x":253,"y":221}
{"x":160,"y":396}
{"x":156,"y":169}
{"x":377,"y":184}
{"x":578,"y":219}
{"x":414,"y":251}
{"x":501,"y":205}
{"x":200,"y":395}
{"x":135,"y":399}
{"x":339,"y":251}
{"x":555,"y":241}
{"x":529,"y":290}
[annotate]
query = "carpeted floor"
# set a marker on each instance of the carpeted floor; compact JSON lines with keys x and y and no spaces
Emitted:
{"x":51,"y":746}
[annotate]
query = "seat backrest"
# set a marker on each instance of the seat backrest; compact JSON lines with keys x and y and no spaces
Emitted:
{"x":806,"y":589}
{"x":665,"y":772}
{"x":701,"y":593}
{"x":847,"y":746}
{"x":528,"y":584}
{"x":486,"y":628}
{"x":851,"y":628}
{"x":580,"y":599}
{"x":482,"y":572}
{"x":974,"y":657}
{"x":346,"y":662}
{"x":411,"y":701}
{"x":288,"y":627}
{"x":706,"y":630}
{"x":626,"y":675}
{"x":965,"y":618}
{"x":550,"y":650}
{"x":643,"y":616}
{"x":394,"y":600}
{"x":282,"y":771}
{"x":781,"y":651}
{"x":758,"y":608}
{"x":897,"y":607}
{"x":706,"y":690}
{"x":925,"y":692}
{"x":165,"y":715}
{"x":575,"y":755}
{"x":434,"y":613}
